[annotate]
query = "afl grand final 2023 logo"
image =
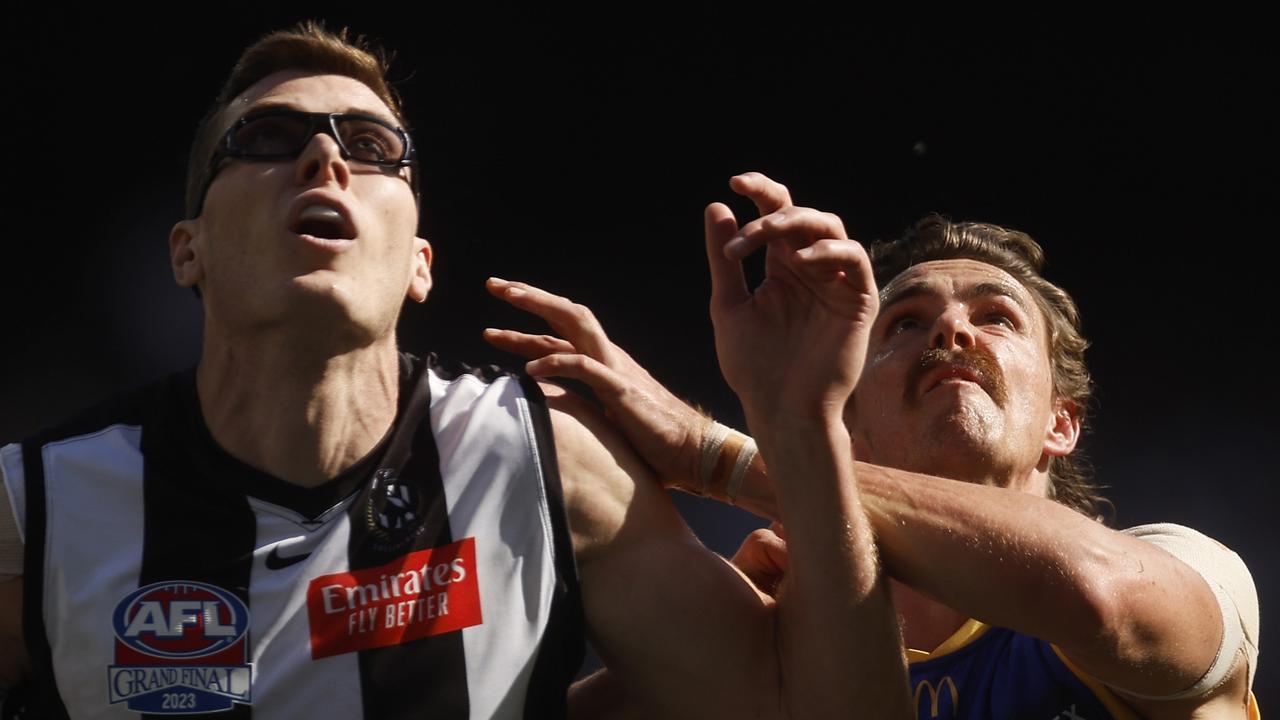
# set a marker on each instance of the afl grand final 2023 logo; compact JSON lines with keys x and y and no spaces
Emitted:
{"x":181,"y":647}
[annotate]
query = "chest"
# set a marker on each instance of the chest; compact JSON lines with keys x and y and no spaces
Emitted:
{"x":432,"y":584}
{"x":1002,"y":675}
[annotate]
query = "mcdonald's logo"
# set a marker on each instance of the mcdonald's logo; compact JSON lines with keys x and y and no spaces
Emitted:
{"x":947,"y":683}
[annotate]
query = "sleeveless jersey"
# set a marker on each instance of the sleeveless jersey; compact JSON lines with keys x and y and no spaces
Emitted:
{"x":991,"y":673}
{"x":434,"y":579}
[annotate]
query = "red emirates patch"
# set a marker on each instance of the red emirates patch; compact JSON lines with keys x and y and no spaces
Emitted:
{"x":428,"y":592}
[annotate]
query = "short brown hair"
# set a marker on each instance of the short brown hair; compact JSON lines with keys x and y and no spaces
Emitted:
{"x":307,"y":46}
{"x":937,"y":238}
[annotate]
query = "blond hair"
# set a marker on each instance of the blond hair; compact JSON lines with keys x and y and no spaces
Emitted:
{"x":307,"y":46}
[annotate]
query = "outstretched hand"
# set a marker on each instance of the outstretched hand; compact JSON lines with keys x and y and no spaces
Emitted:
{"x":797,"y":343}
{"x":663,"y":429}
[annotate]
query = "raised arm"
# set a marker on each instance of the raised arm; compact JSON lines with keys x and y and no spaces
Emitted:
{"x":1124,"y":610}
{"x":684,"y":633}
{"x":837,"y":641}
{"x":793,"y":350}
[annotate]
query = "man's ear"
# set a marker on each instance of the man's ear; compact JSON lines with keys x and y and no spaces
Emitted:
{"x":420,"y":280}
{"x":184,"y":256}
{"x":1064,"y":429}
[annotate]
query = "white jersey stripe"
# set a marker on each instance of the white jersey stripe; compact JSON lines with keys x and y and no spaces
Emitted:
{"x":92,"y":480}
{"x":127,"y":519}
{"x":492,"y":489}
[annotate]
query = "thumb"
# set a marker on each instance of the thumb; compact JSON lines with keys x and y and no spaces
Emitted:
{"x":728,"y":284}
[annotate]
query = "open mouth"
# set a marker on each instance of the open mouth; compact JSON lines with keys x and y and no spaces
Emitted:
{"x":938,"y":367}
{"x":955,"y":372}
{"x":324,"y":222}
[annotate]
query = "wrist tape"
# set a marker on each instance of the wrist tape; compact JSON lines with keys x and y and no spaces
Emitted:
{"x":726,"y":458}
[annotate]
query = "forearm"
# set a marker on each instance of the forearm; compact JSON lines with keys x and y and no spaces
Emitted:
{"x":838,"y":635}
{"x":686,"y":637}
{"x":754,"y":492}
{"x":1124,"y":610}
{"x":956,"y":541}
{"x":684,"y":633}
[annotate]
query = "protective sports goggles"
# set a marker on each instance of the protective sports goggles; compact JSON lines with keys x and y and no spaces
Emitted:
{"x":282,"y":135}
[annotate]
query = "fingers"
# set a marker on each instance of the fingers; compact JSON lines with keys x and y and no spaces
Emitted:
{"x":599,"y":377}
{"x":583,"y":354}
{"x":767,"y":194}
{"x":576,"y":323}
{"x":844,"y":261}
{"x":526,"y":345}
{"x":795,"y":226}
{"x":728,"y":285}
{"x":763,"y":559}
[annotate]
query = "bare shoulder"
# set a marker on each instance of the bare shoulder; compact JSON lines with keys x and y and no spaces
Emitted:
{"x":610,"y":494}
{"x":1224,"y":689}
{"x":13,"y":654}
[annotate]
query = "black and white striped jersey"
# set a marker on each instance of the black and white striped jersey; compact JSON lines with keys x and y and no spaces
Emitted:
{"x":434,"y":579}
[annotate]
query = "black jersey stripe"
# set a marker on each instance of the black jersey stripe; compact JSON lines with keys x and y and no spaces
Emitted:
{"x":210,"y":537}
{"x":201,"y":537}
{"x":557,"y":662}
{"x":38,"y":695}
{"x":399,"y":681}
{"x":195,"y":528}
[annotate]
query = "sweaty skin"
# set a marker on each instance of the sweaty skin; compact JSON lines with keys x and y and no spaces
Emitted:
{"x":962,"y":523}
{"x":299,"y":378}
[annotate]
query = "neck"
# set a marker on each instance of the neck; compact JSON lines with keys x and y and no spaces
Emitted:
{"x":301,"y":416}
{"x":926,"y":623}
{"x":1029,"y":480}
{"x":963,"y":464}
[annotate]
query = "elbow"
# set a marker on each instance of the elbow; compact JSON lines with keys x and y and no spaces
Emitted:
{"x":1118,"y":610}
{"x":1091,"y":597}
{"x":1098,"y":612}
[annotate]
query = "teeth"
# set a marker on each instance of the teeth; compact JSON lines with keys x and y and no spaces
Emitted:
{"x":321,"y":213}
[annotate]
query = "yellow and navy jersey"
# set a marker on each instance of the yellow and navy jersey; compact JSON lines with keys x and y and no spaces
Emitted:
{"x":990,"y":673}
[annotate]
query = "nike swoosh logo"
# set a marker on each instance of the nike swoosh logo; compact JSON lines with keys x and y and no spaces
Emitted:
{"x":276,"y":562}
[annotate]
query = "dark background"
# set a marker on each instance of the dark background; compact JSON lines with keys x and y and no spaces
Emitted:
{"x":576,"y":151}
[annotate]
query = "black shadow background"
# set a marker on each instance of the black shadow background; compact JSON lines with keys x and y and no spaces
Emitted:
{"x":576,"y":150}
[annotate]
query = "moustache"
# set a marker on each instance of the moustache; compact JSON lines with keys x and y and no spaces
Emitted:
{"x":972,"y":359}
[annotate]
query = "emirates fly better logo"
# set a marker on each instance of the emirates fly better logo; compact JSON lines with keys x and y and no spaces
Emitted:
{"x":423,"y":593}
{"x":181,"y":647}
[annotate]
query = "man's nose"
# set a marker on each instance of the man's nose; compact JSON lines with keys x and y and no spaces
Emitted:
{"x":953,"y":330}
{"x":321,"y":163}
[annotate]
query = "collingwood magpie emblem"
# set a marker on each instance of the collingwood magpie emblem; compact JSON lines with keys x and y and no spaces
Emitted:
{"x":396,"y":510}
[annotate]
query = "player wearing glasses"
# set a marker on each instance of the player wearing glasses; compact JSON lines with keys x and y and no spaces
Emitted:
{"x":312,"y":524}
